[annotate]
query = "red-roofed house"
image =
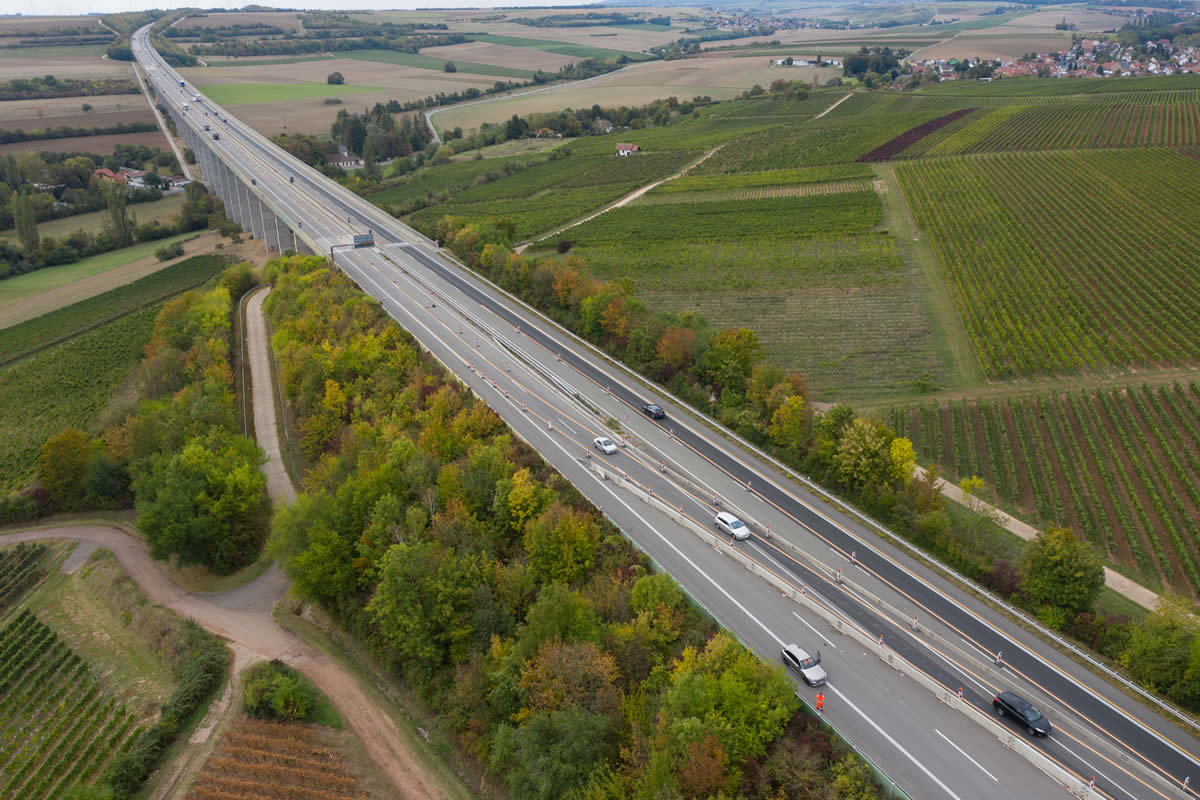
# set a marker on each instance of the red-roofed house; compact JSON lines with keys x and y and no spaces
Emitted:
{"x":624,"y":149}
{"x":103,"y":172}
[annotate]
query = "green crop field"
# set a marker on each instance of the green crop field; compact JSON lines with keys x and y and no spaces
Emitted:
{"x":830,"y":140}
{"x":1041,"y":87}
{"x":234,"y":93}
{"x":61,"y":723}
{"x":433,"y":63}
{"x":1122,"y":466}
{"x":581,"y":171}
{"x":531,"y":216}
{"x":776,"y":106}
{"x":1047,"y":282}
{"x":452,"y":177}
{"x":39,"y":332}
{"x":561,"y":48}
{"x":779,"y":217}
{"x":754,"y":180}
{"x":94,"y":221}
{"x":1063,"y":127}
{"x":68,"y":384}
{"x":33,"y":54}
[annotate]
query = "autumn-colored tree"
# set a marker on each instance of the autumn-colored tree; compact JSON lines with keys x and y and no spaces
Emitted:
{"x":863,"y":454}
{"x":614,"y":319}
{"x":791,"y":426}
{"x":704,"y":769}
{"x":902,"y":458}
{"x":62,"y":465}
{"x":519,"y":499}
{"x":578,"y":674}
{"x":677,"y":347}
{"x":566,"y":283}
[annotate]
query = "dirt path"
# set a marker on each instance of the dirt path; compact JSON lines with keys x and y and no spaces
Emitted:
{"x":624,"y":201}
{"x":845,"y":97}
{"x":243,"y":615}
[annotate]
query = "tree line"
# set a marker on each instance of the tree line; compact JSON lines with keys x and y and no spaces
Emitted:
{"x":721,"y":373}
{"x":8,"y":136}
{"x":553,"y":653}
{"x":49,"y":86}
{"x":200,"y":210}
{"x":303,"y":45}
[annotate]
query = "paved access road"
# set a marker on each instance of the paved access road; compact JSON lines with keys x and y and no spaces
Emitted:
{"x":558,"y":393}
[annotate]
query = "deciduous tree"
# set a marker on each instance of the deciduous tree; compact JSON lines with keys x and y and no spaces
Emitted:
{"x":863,"y":454}
{"x":25,"y":222}
{"x":62,"y":466}
{"x":1061,"y":571}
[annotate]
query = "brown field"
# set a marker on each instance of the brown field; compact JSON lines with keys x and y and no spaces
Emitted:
{"x":1085,"y":20}
{"x":56,"y":111}
{"x":13,"y":65}
{"x":310,"y":114}
{"x":35,"y":24}
{"x":268,"y":759}
{"x":288,"y":20}
{"x":501,"y":55}
{"x":995,"y":47}
{"x":717,"y":77}
{"x":830,"y":37}
{"x":88,"y":144}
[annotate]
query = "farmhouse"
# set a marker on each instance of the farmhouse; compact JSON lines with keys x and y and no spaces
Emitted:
{"x":624,"y":149}
{"x":108,"y":174}
{"x":346,"y":162}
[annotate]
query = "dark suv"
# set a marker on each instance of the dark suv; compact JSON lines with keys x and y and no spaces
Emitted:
{"x":653,"y":411}
{"x":1008,"y":704}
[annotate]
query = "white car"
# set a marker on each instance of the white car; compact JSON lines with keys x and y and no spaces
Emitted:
{"x":604,"y":445}
{"x":733,"y":526}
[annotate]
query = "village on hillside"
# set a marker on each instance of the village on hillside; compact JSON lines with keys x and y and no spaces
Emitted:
{"x":1089,"y":58}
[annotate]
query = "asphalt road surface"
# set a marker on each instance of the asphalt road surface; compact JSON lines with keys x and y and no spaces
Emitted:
{"x":559,"y":393}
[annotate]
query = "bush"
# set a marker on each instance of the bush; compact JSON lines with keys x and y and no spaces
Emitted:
{"x":564,"y":245}
{"x":449,"y":67}
{"x":335,"y":79}
{"x":276,"y":691}
{"x":169,"y":251}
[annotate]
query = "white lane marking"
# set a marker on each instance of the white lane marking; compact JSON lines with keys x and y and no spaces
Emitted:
{"x":954,"y":666}
{"x":1091,"y":766}
{"x":967,"y":757}
{"x":893,"y":742}
{"x":824,"y":638}
{"x":604,"y":485}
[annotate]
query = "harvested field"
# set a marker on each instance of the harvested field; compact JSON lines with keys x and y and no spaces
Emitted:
{"x":501,"y":55}
{"x":139,"y":113}
{"x":275,"y":759}
{"x":423,"y":61}
{"x":912,"y":136}
{"x":62,"y":62}
{"x":1083,"y":19}
{"x":67,"y":111}
{"x":288,"y":20}
{"x":21,"y":25}
{"x":636,"y":84}
{"x":263,"y":108}
{"x":992,"y":46}
{"x":88,"y":144}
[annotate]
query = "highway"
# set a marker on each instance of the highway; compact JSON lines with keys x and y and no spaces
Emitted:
{"x":558,"y":393}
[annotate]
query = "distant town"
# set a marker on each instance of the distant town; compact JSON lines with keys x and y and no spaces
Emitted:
{"x":1090,"y":58}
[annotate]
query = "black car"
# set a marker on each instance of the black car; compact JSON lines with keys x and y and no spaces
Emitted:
{"x":1008,"y":704}
{"x":653,"y":411}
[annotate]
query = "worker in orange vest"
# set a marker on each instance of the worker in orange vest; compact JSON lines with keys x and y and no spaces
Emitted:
{"x":820,"y":701}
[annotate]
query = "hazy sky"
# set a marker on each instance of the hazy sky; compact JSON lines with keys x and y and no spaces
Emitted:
{"x":41,"y":7}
